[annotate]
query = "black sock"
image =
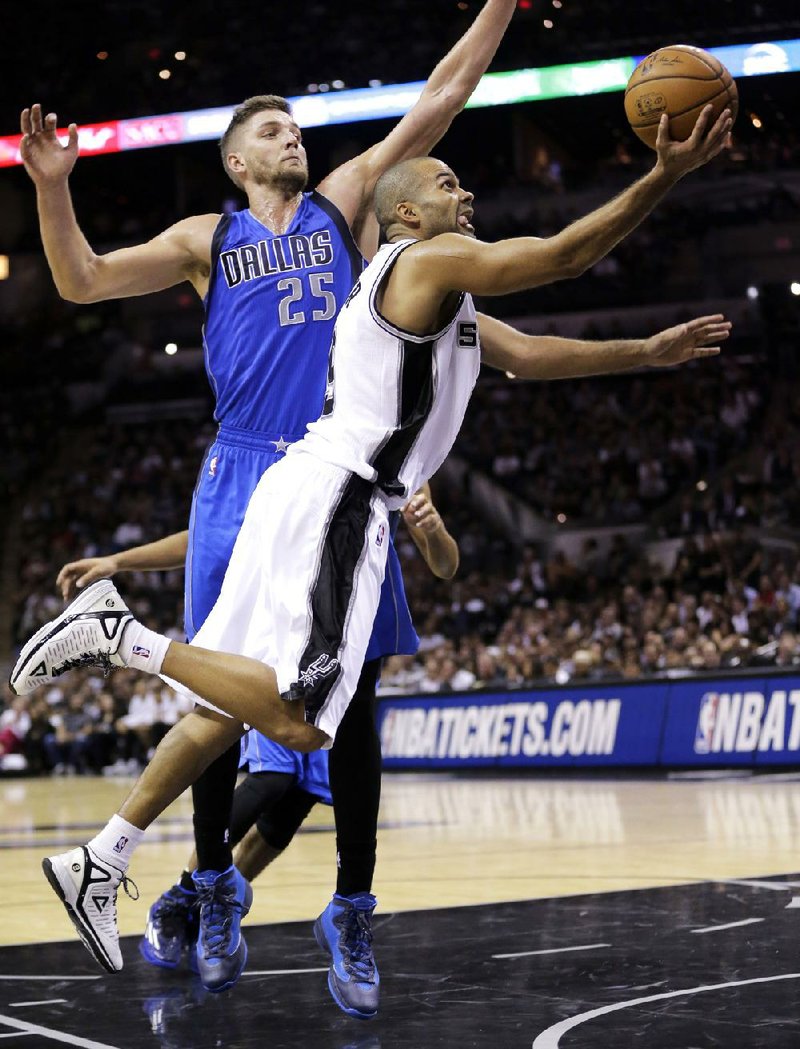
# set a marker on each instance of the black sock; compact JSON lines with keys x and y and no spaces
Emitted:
{"x":186,"y":882}
{"x":212,"y":795}
{"x":355,"y":777}
{"x":356,"y":866}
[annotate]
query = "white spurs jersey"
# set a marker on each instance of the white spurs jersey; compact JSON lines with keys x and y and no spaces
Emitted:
{"x":394,"y":401}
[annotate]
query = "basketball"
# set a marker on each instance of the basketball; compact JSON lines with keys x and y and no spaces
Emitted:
{"x":678,"y":80}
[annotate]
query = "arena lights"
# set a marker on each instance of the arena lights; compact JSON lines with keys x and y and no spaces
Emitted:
{"x":386,"y":101}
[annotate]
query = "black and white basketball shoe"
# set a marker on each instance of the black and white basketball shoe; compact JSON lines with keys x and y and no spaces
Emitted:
{"x":86,"y":634}
{"x":87,"y":887}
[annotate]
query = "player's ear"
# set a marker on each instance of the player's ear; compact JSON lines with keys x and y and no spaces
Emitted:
{"x":236,"y":163}
{"x":408,"y":213}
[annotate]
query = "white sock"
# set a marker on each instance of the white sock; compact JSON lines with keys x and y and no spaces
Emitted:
{"x":143,"y":649}
{"x":116,"y":841}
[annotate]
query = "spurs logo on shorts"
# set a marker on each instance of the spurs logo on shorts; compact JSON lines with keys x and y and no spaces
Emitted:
{"x":323,"y":666}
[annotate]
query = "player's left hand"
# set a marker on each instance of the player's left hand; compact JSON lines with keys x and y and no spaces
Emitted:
{"x":706,"y":141}
{"x":687,"y":342}
{"x":419,"y":512}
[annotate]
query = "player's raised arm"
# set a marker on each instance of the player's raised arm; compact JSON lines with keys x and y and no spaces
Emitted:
{"x":444,"y":96}
{"x":551,"y":357}
{"x":180,"y":253}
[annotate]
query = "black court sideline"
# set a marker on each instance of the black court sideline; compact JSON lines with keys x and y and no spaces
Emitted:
{"x":689,"y":967}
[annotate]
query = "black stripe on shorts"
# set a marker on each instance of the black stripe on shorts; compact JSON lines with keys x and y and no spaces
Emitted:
{"x":343,"y":549}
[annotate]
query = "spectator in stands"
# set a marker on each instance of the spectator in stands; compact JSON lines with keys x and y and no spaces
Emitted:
{"x":15,"y":723}
{"x":67,"y":748}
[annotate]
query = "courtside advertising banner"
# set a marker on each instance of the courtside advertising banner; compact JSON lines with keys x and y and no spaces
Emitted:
{"x":714,"y":722}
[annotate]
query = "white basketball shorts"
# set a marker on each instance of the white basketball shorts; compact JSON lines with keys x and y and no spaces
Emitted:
{"x":302,"y":587}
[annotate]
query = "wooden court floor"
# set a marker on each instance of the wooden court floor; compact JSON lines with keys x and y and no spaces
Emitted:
{"x":444,"y":841}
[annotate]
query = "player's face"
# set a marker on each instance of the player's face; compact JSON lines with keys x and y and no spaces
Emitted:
{"x":447,"y":206}
{"x":271,"y":147}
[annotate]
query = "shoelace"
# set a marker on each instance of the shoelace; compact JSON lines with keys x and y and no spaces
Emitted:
{"x":99,"y":659}
{"x":127,"y":883}
{"x":216,"y":917}
{"x":173,"y":914}
{"x":356,"y":942}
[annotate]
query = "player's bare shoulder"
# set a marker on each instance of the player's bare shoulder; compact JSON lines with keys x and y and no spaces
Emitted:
{"x":440,"y":260}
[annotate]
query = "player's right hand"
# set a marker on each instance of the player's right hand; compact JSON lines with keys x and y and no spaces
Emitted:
{"x":45,"y":159}
{"x":679,"y":158}
{"x":79,"y":574}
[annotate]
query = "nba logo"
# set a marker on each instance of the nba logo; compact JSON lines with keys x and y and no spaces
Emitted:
{"x":706,"y":720}
{"x":380,"y":535}
{"x":212,"y":467}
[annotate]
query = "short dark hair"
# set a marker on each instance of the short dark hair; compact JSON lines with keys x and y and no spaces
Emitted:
{"x":242,"y":113}
{"x":400,"y":182}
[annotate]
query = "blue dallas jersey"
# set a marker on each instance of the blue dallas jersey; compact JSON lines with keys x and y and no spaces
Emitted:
{"x":270,"y":309}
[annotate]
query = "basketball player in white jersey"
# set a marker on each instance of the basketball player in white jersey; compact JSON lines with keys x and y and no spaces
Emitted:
{"x":282,"y":648}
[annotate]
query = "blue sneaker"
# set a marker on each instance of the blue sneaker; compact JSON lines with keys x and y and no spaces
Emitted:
{"x":171,"y":928}
{"x":344,"y":930}
{"x":224,"y":900}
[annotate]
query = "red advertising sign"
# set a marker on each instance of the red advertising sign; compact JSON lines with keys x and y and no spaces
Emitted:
{"x":93,"y":140}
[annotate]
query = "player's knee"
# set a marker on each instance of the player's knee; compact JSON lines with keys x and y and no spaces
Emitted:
{"x":282,"y":725}
{"x":305,"y":738}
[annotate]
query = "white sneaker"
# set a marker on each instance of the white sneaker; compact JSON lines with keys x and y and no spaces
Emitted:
{"x":86,"y":634}
{"x":87,"y":886}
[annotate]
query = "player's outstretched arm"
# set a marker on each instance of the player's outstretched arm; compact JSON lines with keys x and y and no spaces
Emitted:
{"x":444,"y":96}
{"x":453,"y":262}
{"x":549,"y":357}
{"x":430,"y":534}
{"x":159,"y":556}
{"x":182,"y":252}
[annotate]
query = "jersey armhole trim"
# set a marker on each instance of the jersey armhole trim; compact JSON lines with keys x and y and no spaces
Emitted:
{"x":217,"y":240}
{"x":357,"y":261}
{"x":392,"y":329}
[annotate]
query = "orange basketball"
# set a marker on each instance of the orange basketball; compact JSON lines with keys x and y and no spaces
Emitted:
{"x":678,"y":80}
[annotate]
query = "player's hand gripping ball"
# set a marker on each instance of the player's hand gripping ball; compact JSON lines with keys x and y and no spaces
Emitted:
{"x":677,"y":80}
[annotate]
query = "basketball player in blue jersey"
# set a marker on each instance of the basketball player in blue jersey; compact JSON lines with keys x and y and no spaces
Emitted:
{"x":283,"y":646}
{"x":272,"y":278}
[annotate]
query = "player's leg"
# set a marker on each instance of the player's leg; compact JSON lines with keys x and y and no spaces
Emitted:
{"x":354,"y":765}
{"x":86,"y":879}
{"x":227,"y":477}
{"x":276,"y":822}
{"x":172,"y":926}
{"x":274,"y":829}
{"x":98,"y":629}
{"x":253,"y":854}
{"x":344,"y":927}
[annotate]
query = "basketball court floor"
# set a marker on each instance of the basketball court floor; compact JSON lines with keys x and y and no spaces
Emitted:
{"x":516,"y":912}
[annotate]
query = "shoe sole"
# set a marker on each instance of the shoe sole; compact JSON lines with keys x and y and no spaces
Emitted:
{"x":79,"y":605}
{"x":85,"y":933}
{"x":153,"y":959}
{"x":319,"y":936}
